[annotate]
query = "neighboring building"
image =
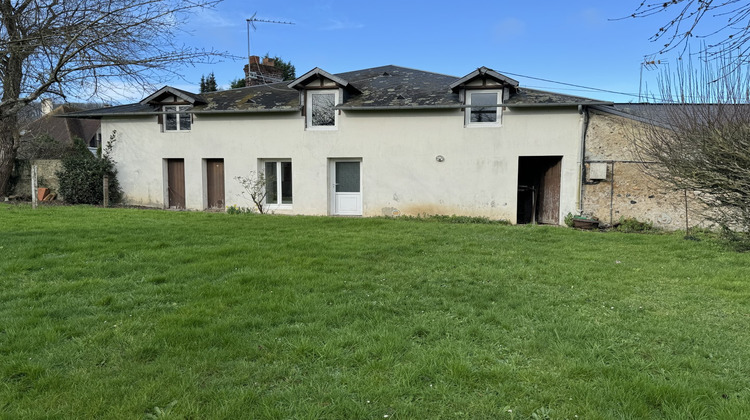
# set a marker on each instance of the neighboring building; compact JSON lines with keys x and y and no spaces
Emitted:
{"x":46,"y":140}
{"x":381,"y":141}
{"x":616,"y":185}
{"x":49,"y":136}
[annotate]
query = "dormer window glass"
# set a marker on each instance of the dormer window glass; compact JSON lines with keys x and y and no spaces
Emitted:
{"x":482,"y":107}
{"x":321,"y":114}
{"x":176,"y":118}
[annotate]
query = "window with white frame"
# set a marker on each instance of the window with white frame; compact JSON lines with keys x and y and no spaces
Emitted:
{"x":482,"y":108}
{"x":278,"y":175}
{"x":321,"y":114}
{"x":176,"y":118}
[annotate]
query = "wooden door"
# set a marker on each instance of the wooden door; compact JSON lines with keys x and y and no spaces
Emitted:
{"x":215,"y":183}
{"x":549,"y":194}
{"x":176,"y":183}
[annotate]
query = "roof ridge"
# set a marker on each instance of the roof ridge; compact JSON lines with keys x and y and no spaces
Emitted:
{"x":397,"y":66}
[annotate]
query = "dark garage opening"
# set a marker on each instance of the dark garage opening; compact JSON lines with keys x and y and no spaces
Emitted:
{"x":539,"y":189}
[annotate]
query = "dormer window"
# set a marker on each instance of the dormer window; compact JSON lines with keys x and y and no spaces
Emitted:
{"x":482,"y":108}
{"x":176,"y":118}
{"x":322,"y":92}
{"x":484,"y":91}
{"x":321,"y":114}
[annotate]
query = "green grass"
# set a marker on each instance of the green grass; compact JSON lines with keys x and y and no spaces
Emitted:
{"x":121,"y":313}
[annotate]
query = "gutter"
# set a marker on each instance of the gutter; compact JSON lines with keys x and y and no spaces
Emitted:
{"x":462,"y":106}
{"x":553,"y":105}
{"x":398,"y":107}
{"x":151,"y":113}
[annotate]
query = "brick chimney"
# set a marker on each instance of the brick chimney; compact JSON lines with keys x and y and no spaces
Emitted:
{"x":262,"y":74}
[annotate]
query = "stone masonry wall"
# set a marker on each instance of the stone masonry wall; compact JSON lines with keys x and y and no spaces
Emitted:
{"x":627,"y":191}
{"x":46,"y":176}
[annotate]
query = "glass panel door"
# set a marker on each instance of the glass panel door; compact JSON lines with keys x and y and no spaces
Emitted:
{"x":347,"y":177}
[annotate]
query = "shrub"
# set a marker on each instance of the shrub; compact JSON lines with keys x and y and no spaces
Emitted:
{"x":738,"y":241}
{"x":239,"y":210}
{"x":254,"y":186}
{"x":568,"y":220}
{"x":82,"y":175}
{"x":633,"y":225}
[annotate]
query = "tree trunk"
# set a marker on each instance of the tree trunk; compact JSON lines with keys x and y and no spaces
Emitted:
{"x":8,"y":147}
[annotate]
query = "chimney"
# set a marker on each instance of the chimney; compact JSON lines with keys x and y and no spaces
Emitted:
{"x":46,"y":106}
{"x":269,"y":62}
{"x":254,"y":59}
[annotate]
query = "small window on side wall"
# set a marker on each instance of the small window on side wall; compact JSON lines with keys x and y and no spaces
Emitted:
{"x":278,"y":175}
{"x":321,"y":114}
{"x":176,"y":118}
{"x":482,"y":108}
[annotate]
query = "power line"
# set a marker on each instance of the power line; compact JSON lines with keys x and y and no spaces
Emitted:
{"x":570,"y":84}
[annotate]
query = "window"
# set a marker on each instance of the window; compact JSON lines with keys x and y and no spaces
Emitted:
{"x":321,"y":114}
{"x":176,"y":119}
{"x":278,"y":182}
{"x":483,"y":110}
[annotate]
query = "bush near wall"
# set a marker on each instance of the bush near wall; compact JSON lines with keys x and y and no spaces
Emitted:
{"x":82,"y":174}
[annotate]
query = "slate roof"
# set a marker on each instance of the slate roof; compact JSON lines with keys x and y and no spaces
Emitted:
{"x":379,"y":88}
{"x":663,"y":114}
{"x":63,"y":130}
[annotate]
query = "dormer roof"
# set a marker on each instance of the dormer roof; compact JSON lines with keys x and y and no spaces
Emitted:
{"x":320,"y":75}
{"x":186,"y":96}
{"x":483,"y":73}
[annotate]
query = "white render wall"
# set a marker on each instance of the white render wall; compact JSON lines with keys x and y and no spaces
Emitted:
{"x":398,"y":151}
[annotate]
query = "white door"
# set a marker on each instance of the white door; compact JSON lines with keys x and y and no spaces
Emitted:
{"x":347,"y":188}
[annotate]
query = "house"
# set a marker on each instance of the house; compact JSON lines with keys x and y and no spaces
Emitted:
{"x":380,"y":141}
{"x":49,"y":136}
{"x":47,"y":139}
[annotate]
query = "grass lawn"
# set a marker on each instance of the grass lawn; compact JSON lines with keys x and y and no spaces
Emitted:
{"x":122,"y":313}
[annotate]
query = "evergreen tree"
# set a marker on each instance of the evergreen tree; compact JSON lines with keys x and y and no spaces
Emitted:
{"x":208,"y":83}
{"x":289,"y":72}
{"x":237,"y":83}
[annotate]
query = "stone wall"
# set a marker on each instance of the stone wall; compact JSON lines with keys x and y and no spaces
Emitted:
{"x":628,"y":191}
{"x":46,"y":176}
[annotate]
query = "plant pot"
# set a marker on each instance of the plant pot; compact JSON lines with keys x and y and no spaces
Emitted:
{"x":586,"y":224}
{"x":41,"y":193}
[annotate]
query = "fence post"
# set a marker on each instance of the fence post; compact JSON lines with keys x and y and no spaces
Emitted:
{"x":106,"y":190}
{"x":34,"y":198}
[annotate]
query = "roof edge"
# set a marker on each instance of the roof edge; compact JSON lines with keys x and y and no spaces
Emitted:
{"x":188,"y":96}
{"x":484,"y":71}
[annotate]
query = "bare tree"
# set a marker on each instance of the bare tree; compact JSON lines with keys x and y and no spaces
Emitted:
{"x":700,"y":143}
{"x":84,"y":48}
{"x":256,"y":187}
{"x":723,"y":27}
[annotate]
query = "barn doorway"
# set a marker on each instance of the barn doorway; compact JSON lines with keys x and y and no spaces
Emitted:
{"x":215,"y":184}
{"x":176,"y":183}
{"x":539,"y":190}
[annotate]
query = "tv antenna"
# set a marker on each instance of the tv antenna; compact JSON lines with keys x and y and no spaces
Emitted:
{"x":251,"y":23}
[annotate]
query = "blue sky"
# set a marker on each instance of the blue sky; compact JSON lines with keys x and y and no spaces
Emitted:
{"x":577,"y":42}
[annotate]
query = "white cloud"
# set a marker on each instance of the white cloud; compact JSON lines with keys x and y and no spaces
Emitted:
{"x":210,"y":18}
{"x":509,"y":28}
{"x":339,"y":24}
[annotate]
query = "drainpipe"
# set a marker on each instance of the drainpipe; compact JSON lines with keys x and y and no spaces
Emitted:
{"x":584,"y":111}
